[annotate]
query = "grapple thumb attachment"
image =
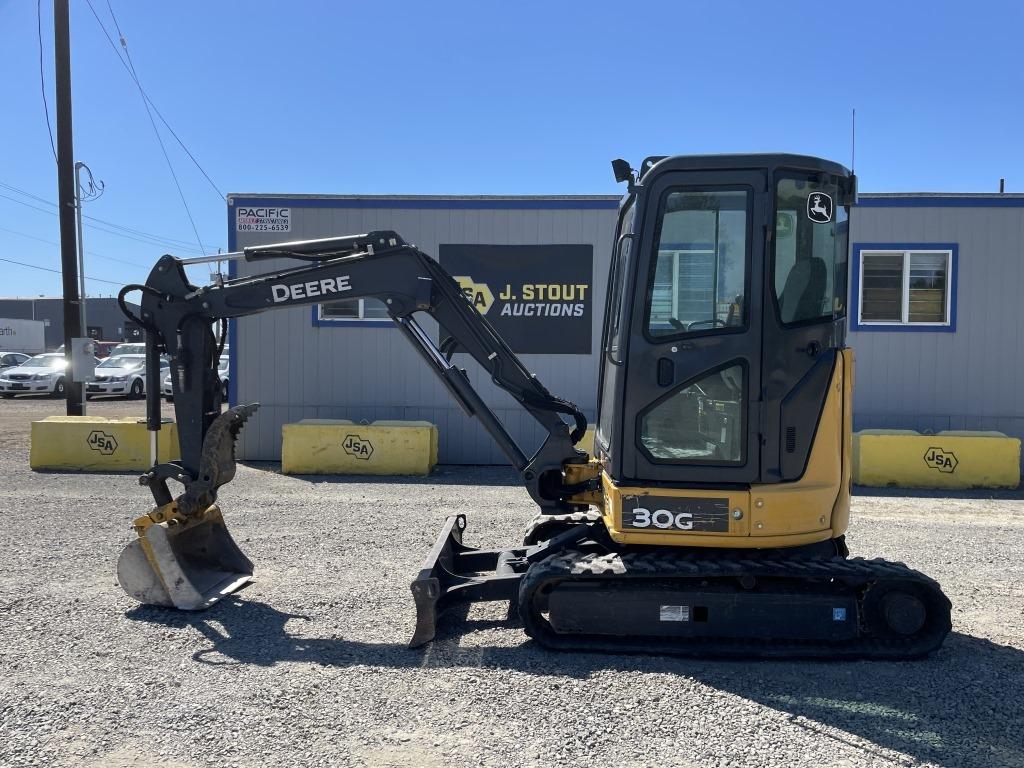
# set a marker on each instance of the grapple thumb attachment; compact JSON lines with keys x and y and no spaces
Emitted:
{"x":184,"y":556}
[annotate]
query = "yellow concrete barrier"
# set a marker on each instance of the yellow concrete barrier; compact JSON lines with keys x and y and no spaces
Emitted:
{"x":586,"y":443}
{"x":337,"y":446}
{"x":905,"y":459}
{"x":98,"y":444}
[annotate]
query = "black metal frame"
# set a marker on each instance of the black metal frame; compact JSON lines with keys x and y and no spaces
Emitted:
{"x":455,"y":573}
{"x":180,"y":317}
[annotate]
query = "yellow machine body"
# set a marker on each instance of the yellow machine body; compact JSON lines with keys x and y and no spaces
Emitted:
{"x":814,"y":508}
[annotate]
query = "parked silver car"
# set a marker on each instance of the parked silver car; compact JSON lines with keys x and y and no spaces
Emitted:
{"x":39,"y":375}
{"x":121,"y":375}
{"x":222,"y":371}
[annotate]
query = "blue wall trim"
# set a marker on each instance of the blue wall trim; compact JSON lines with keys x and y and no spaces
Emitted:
{"x":501,"y":205}
{"x":330,"y":322}
{"x":855,"y":324}
{"x":940,"y":202}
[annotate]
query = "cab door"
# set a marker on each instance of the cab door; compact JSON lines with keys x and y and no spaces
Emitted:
{"x":693,"y":371}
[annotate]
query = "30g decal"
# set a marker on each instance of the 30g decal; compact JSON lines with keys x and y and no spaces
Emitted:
{"x":655,"y":514}
{"x":662,"y":518}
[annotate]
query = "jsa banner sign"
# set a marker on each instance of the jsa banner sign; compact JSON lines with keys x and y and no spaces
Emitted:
{"x":538,"y":297}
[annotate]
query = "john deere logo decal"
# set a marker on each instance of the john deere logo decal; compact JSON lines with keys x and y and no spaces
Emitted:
{"x":356,"y":446}
{"x":102,"y":442}
{"x":944,"y":461}
{"x":819,"y":207}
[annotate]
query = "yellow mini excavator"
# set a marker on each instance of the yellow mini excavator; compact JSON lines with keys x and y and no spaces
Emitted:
{"x":711,"y":520}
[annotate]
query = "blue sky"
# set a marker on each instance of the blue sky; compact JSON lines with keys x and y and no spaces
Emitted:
{"x":487,"y":98}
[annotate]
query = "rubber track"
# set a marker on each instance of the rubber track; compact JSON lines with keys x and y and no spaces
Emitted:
{"x":540,"y":519}
{"x":857,"y":573}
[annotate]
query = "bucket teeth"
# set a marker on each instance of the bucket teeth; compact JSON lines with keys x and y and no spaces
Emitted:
{"x":217,"y":462}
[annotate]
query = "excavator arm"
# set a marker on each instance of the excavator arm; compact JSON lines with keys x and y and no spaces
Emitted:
{"x":184,"y":556}
{"x":180,"y":319}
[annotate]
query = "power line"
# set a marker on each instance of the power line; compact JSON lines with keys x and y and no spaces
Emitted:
{"x":124,"y":44}
{"x":55,"y":271}
{"x":172,"y":241}
{"x":152,"y":122}
{"x":53,"y":242}
{"x":99,"y":228}
{"x":42,"y":79}
{"x":130,"y":69}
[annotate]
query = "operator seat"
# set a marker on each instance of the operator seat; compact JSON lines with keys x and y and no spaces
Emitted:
{"x":805,"y":288}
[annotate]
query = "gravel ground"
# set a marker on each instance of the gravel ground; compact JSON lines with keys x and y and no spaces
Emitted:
{"x":309,"y":666}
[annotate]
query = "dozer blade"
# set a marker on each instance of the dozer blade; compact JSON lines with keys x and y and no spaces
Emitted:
{"x":189,"y":563}
{"x":454,"y":573}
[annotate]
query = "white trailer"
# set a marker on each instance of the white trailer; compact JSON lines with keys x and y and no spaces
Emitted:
{"x":21,"y":336}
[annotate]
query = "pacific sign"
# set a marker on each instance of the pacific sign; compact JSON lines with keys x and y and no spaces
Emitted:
{"x":263,"y":219}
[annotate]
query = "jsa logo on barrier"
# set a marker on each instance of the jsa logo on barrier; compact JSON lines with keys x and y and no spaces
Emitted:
{"x":357,"y":446}
{"x":944,"y":461}
{"x":102,"y":442}
{"x":282,"y":292}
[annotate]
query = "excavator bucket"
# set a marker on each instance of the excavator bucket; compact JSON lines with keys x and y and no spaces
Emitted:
{"x":184,"y":557}
{"x":185,"y":563}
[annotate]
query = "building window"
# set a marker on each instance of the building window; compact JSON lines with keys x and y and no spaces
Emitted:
{"x":700,"y":272}
{"x":353,"y":310}
{"x":905,"y":287}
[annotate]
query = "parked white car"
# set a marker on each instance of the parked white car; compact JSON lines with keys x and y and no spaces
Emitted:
{"x":121,"y":375}
{"x":222,"y":371}
{"x":11,"y":359}
{"x":39,"y":375}
{"x":128,"y":348}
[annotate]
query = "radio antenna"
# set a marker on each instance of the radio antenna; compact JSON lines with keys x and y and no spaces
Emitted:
{"x":853,"y":140}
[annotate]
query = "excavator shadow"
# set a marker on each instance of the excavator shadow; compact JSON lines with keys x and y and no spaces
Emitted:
{"x":937,"y":709}
{"x":442,"y":474}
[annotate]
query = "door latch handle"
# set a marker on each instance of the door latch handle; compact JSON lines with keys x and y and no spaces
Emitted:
{"x":666,"y":372}
{"x":813,"y":349}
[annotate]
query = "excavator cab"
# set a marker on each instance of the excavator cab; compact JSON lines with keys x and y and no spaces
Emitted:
{"x":727,"y":288}
{"x":711,"y":518}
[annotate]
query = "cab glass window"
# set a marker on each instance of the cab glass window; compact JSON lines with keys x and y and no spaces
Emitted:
{"x":702,"y":421}
{"x":617,"y":307}
{"x":620,"y":271}
{"x":811,"y":232}
{"x":700,"y":269}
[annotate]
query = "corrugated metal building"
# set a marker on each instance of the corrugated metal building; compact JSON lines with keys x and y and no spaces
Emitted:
{"x":948,"y":353}
{"x":934,"y":288}
{"x":352,"y":363}
{"x":103,"y":318}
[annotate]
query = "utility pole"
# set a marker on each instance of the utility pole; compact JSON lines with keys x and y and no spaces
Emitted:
{"x":66,"y":198}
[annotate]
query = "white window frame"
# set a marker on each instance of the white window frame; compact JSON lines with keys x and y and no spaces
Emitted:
{"x":360,"y":319}
{"x":677,"y":255}
{"x":905,"y":320}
